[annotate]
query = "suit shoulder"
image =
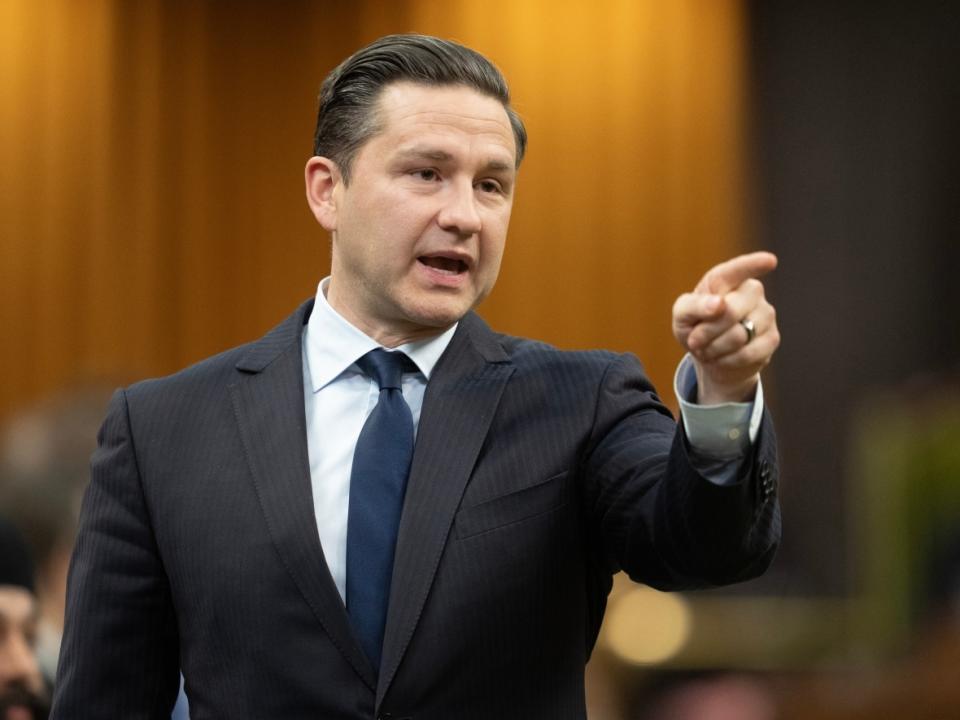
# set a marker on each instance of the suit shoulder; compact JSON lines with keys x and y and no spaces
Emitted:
{"x":209,"y":371}
{"x":525,"y":350}
{"x":220,"y":369}
{"x":575,"y":370}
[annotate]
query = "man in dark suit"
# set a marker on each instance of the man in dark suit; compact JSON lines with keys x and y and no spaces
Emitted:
{"x":232,"y":528}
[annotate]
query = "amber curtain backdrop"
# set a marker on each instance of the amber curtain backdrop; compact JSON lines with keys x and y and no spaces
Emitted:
{"x":151,"y":193}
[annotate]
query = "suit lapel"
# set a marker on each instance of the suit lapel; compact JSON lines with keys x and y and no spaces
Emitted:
{"x":269,"y":407}
{"x":459,"y":404}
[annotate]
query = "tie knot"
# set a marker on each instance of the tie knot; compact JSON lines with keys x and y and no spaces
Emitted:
{"x":386,"y":367}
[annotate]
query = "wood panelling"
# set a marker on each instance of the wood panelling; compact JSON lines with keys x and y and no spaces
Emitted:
{"x":151,"y":155}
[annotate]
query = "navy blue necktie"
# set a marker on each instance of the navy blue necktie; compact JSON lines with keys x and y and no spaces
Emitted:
{"x":378,"y":481}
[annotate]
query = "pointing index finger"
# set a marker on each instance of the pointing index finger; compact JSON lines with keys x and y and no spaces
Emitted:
{"x":722,"y":278}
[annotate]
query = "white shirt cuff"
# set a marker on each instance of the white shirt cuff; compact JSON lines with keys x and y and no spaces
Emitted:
{"x":720,"y":432}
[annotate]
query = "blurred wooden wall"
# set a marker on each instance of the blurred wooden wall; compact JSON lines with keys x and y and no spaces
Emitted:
{"x":151,"y":155}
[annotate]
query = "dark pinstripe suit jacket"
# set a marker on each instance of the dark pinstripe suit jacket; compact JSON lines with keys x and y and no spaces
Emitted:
{"x":537,"y":474}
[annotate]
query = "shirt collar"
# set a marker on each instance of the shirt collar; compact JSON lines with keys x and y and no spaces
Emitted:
{"x":332,"y":344}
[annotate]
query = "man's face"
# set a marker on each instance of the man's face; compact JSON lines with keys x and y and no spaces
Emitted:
{"x":21,"y":685}
{"x":418,"y":234}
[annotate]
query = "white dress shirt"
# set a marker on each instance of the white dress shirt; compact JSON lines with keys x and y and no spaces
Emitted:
{"x":338,"y":397}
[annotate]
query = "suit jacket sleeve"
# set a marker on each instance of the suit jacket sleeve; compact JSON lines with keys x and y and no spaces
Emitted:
{"x":119,"y":653}
{"x":660,"y":520}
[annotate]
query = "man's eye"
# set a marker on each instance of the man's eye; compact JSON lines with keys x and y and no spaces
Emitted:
{"x":428,"y":174}
{"x":490,"y":186}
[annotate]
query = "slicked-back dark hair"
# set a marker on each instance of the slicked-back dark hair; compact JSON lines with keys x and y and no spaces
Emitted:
{"x":347,"y":115}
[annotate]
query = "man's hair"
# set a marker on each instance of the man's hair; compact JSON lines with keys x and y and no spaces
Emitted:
{"x":347,"y":116}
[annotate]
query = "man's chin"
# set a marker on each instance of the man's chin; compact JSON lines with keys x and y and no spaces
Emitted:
{"x":435,"y":324}
{"x":437,"y":316}
{"x":23,"y":705}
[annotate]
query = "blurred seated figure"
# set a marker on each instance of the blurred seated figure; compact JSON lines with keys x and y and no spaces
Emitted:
{"x":23,"y":695}
{"x":44,"y":467}
{"x":714,"y":696}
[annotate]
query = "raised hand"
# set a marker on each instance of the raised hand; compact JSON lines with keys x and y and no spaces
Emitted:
{"x":729,"y":328}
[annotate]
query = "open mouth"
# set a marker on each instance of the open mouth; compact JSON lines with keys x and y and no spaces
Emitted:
{"x":20,"y":703}
{"x":445,"y":265}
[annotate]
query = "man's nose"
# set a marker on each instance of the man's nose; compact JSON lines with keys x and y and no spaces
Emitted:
{"x":18,"y":664}
{"x":460,"y":213}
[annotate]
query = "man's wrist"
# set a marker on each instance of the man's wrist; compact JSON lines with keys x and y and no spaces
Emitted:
{"x":724,"y":430}
{"x":708,"y":394}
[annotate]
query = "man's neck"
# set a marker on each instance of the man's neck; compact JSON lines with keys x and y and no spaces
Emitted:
{"x":388,"y":335}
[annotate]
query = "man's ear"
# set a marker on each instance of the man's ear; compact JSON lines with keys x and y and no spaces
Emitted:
{"x":322,"y":177}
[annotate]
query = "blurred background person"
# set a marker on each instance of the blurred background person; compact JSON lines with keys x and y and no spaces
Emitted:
{"x":44,"y":466}
{"x":23,"y":694}
{"x":712,"y":696}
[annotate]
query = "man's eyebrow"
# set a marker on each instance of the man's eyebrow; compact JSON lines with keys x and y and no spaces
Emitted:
{"x":424,"y":154}
{"x":500,"y":166}
{"x":437,"y":155}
